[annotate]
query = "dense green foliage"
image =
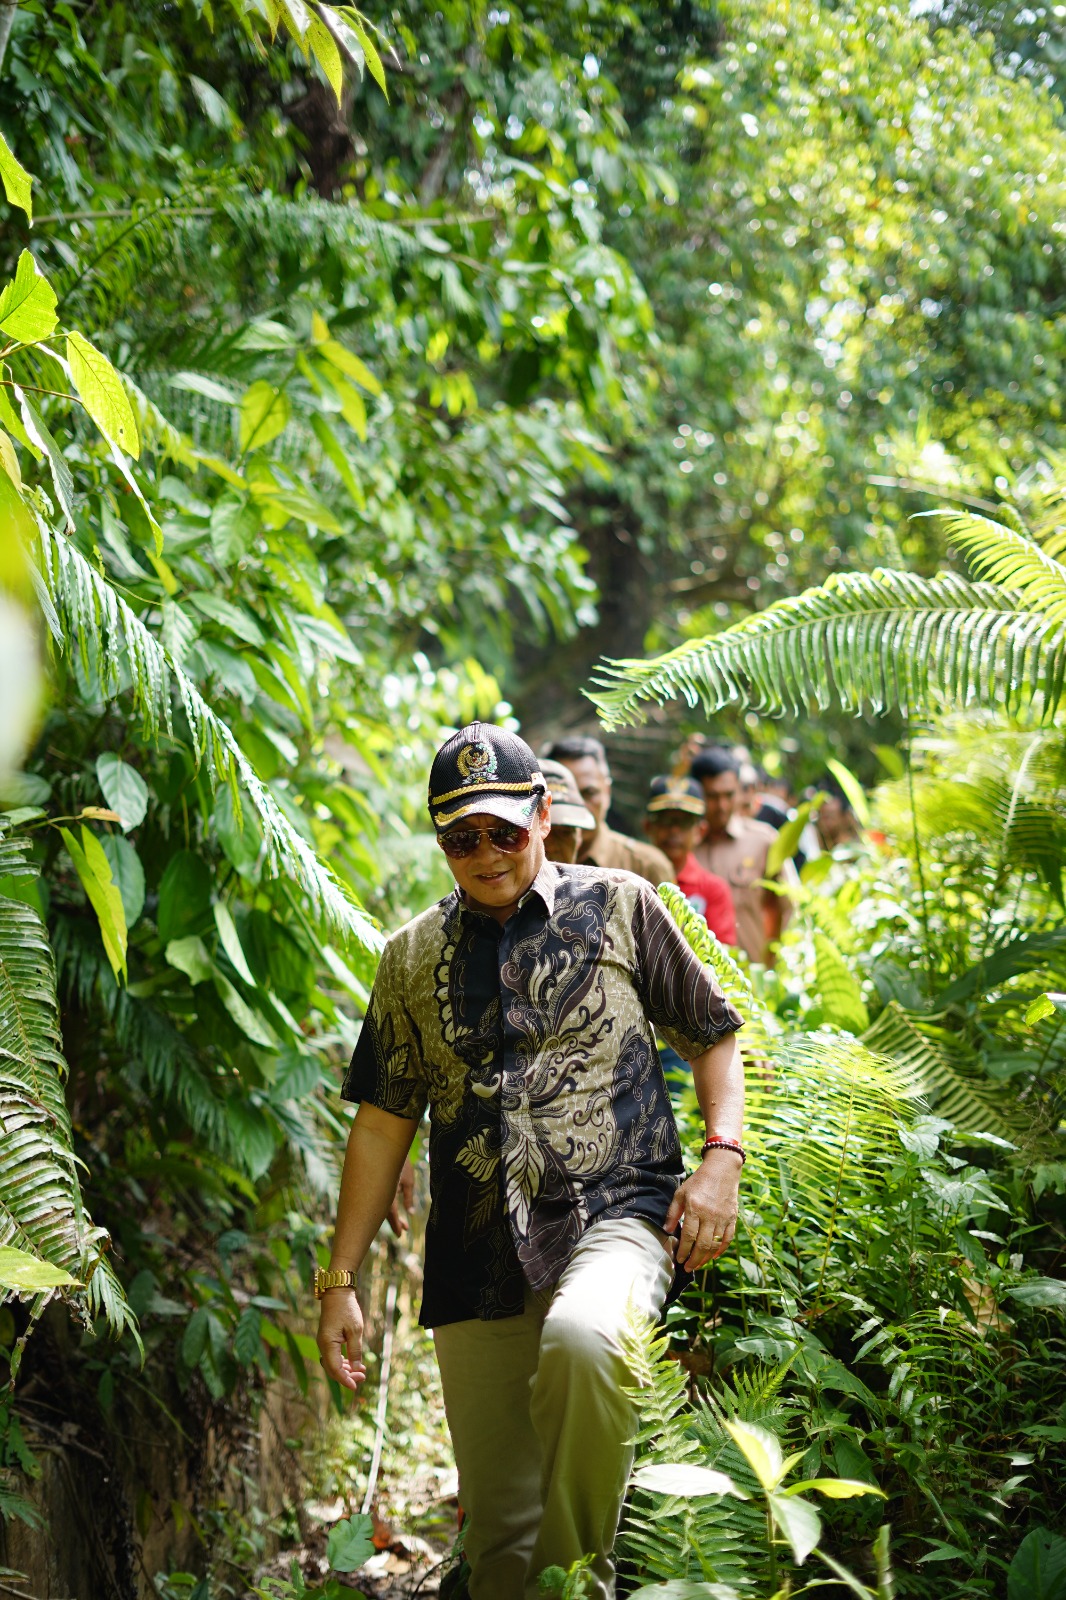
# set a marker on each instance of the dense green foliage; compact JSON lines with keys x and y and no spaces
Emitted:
{"x":328,"y":420}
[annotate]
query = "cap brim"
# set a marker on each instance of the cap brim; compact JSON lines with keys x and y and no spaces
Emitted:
{"x":508,"y":807}
{"x":676,"y":802}
{"x":565,"y":814}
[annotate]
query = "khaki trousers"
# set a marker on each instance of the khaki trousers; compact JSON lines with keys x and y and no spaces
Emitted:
{"x":541,"y":1429}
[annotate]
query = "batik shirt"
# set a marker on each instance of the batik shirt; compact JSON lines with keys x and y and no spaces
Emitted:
{"x":532,"y":1045}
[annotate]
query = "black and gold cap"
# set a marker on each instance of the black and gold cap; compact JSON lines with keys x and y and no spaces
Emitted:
{"x":676,"y":794}
{"x":484,"y":768}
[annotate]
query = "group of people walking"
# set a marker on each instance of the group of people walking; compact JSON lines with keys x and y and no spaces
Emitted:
{"x":524,"y":1012}
{"x":701,"y":834}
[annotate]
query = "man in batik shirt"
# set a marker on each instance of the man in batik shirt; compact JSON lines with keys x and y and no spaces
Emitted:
{"x":520,"y":1010}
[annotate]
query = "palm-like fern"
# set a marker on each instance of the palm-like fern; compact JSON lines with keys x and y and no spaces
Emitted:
{"x":125,"y":652}
{"x":40,"y":1199}
{"x":880,"y":639}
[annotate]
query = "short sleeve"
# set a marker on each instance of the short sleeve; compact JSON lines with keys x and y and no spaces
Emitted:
{"x":679,"y":994}
{"x":386,"y":1067}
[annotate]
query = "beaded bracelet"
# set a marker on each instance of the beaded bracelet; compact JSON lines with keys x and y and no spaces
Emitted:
{"x":724,"y":1144}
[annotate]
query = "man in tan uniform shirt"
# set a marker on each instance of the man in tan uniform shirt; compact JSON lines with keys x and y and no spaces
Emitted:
{"x":587,"y":760}
{"x":736,"y":848}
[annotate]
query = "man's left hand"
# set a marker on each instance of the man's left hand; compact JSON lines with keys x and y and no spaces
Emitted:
{"x":708,"y":1203}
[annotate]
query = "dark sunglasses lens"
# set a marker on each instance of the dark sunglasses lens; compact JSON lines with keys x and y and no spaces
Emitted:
{"x":460,"y":842}
{"x":509,"y":837}
{"x":506,"y":836}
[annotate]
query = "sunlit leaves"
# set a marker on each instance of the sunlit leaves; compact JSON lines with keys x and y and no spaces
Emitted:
{"x":16,"y":180}
{"x":94,"y":870}
{"x":102,"y":394}
{"x":264,"y":413}
{"x":28,"y":304}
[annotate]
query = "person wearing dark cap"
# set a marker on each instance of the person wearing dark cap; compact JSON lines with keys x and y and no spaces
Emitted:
{"x":736,"y":848}
{"x":673,"y":820}
{"x":520,"y":1010}
{"x":587,"y":760}
{"x":572,"y":821}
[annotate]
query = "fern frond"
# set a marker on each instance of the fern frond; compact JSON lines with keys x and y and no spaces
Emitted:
{"x":758,"y":1021}
{"x":1006,"y":557}
{"x":955,"y":1093}
{"x":874,"y":639}
{"x":40,"y":1199}
{"x":124,"y":651}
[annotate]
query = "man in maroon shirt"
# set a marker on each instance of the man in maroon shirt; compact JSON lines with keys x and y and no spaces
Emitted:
{"x":673,"y":820}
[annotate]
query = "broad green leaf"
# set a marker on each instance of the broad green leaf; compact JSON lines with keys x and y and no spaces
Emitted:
{"x":1038,"y":1570}
{"x":761,"y":1451}
{"x":350,"y":1544}
{"x":194,"y":1339}
{"x":26,"y":1273}
{"x":233,"y":618}
{"x":234,"y":526}
{"x":342,"y":358}
{"x":18,"y":185}
{"x":264,"y":414}
{"x":798,"y":1521}
{"x":128,"y":874}
{"x":255,"y":1136}
{"x":10,"y":420}
{"x":210,"y":388}
{"x":685,"y":1479}
{"x":239,"y":833}
{"x":835,"y":1488}
{"x":102,"y":394}
{"x":1041,"y":1293}
{"x":184,"y":897}
{"x":230,"y":940}
{"x":28,"y":303}
{"x":247,"y":1341}
{"x":251,"y":1024}
{"x":94,"y":870}
{"x":123,"y":788}
{"x":189,"y":955}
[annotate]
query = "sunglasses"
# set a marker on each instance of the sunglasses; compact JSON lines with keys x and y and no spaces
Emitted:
{"x":505,"y":836}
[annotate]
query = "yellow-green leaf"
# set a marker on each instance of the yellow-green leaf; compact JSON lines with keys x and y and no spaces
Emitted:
{"x":17,"y":181}
{"x":102,"y":394}
{"x":13,"y":509}
{"x":340,"y":357}
{"x":353,"y":406}
{"x":10,"y":461}
{"x":29,"y":1274}
{"x":836,"y":1488}
{"x":761,"y":1451}
{"x":319,"y":328}
{"x":28,"y":303}
{"x":373,"y":60}
{"x":264,"y":413}
{"x":323,"y":47}
{"x":94,"y":870}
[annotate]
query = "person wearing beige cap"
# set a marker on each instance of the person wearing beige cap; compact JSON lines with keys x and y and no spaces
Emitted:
{"x":572,"y":821}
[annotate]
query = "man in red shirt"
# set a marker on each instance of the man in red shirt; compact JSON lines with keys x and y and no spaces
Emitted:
{"x":673,"y":821}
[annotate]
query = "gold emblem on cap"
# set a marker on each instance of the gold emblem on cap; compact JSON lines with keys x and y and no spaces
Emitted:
{"x":476,"y":762}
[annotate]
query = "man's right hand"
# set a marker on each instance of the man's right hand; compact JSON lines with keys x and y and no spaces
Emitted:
{"x":340,"y":1338}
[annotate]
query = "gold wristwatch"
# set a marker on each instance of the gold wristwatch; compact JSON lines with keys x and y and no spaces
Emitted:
{"x":332,"y":1280}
